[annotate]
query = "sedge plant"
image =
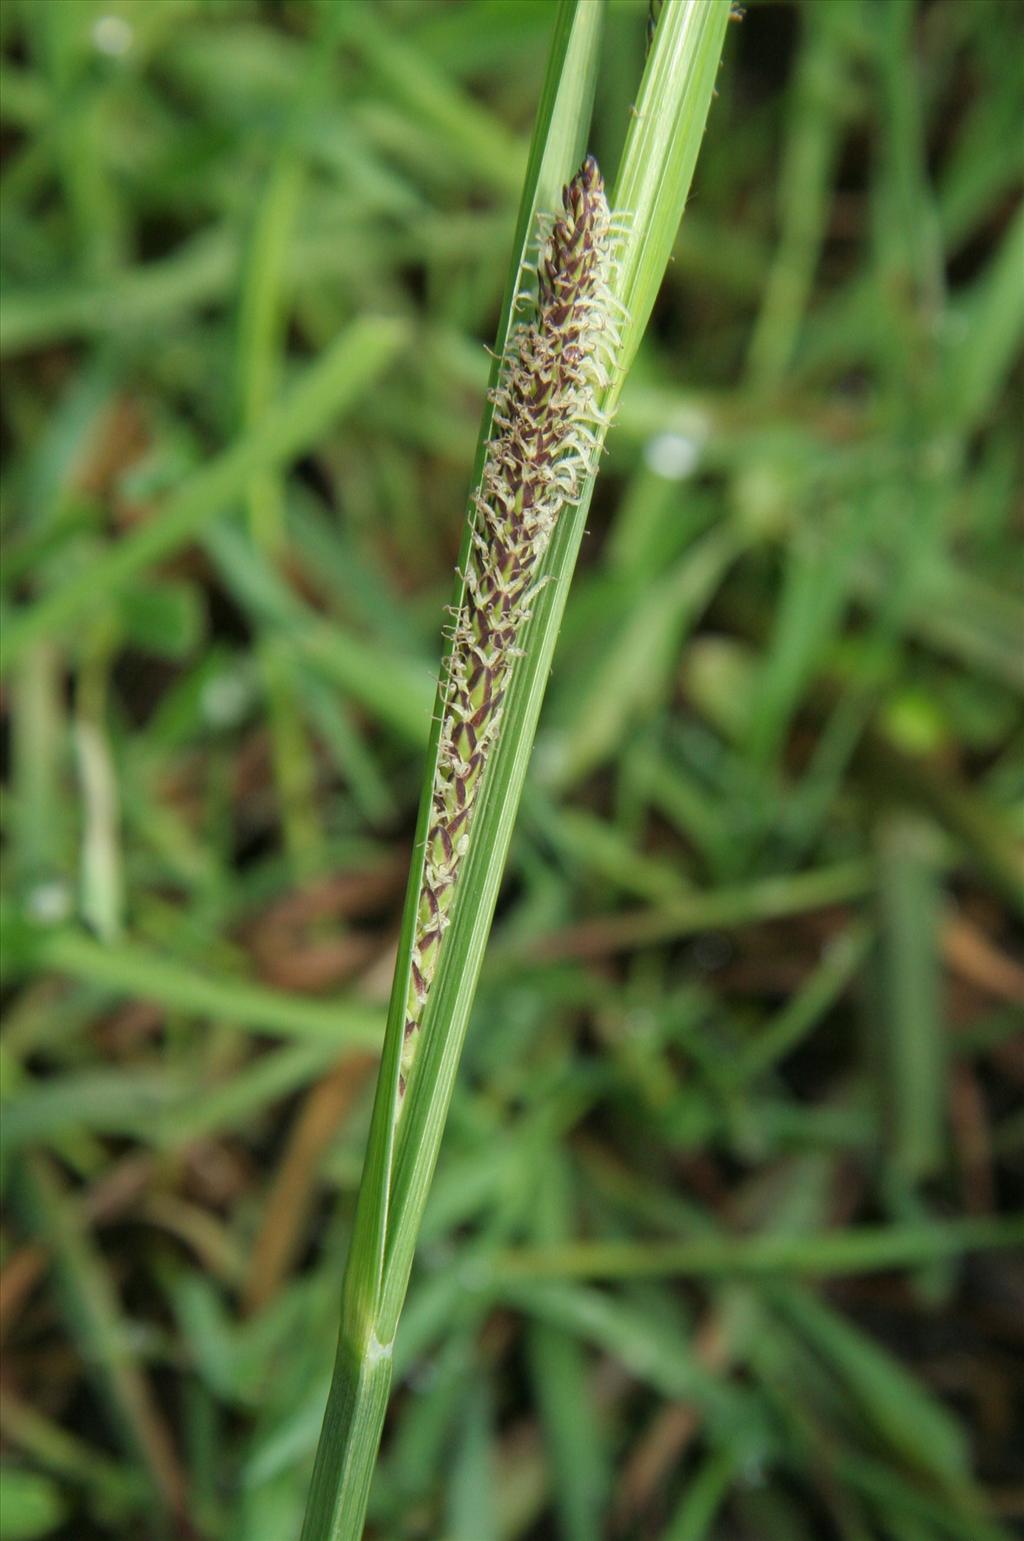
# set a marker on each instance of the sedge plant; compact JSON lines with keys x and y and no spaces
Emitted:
{"x":585,"y":271}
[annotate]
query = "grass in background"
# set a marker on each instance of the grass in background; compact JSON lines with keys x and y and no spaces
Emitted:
{"x":714,"y":1245}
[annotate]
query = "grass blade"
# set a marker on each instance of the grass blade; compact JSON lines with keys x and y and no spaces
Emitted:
{"x":331,"y":386}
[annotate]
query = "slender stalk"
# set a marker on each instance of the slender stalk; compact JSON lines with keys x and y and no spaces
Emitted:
{"x":555,"y":382}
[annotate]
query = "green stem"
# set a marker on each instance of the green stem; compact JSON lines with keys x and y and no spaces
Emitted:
{"x":347,"y":1452}
{"x":653,"y":182}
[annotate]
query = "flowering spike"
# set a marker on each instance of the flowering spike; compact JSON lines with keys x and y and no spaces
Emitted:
{"x":540,"y":453}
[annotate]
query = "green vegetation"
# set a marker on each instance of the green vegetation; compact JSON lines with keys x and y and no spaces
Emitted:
{"x":720,"y":1241}
{"x":597,"y":278}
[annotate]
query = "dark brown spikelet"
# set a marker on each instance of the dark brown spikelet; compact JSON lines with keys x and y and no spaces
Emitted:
{"x":541,"y":451}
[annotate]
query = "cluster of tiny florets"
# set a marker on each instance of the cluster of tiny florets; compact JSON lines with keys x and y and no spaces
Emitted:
{"x":540,"y":453}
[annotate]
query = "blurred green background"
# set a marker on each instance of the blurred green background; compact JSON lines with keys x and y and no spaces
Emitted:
{"x":756,"y":971}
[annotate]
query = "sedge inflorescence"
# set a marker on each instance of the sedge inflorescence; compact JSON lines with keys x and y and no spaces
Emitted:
{"x":541,"y":451}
